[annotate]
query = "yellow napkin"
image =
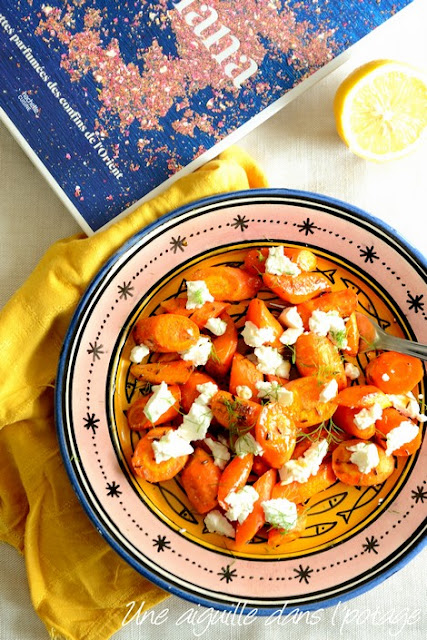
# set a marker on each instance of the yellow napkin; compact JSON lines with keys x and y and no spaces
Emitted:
{"x":79,"y":586}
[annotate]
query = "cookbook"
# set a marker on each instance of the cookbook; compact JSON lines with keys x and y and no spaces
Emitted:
{"x":115,"y":99}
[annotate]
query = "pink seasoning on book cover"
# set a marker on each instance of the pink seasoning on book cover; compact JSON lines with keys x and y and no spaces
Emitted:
{"x":116,"y":97}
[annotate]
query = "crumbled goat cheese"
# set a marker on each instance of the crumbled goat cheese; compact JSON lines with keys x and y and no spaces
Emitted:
{"x":271,"y":362}
{"x":408,"y":405}
{"x":196,"y":423}
{"x":138,"y":353}
{"x":329,"y":324}
{"x":207,"y":391}
{"x":278,"y":264}
{"x":328,"y":391}
{"x":161,"y":400}
{"x":365,"y":456}
{"x":253,"y":336}
{"x":199,"y":353}
{"x":170,"y":446}
{"x":197,"y":294}
{"x":247,"y":444}
{"x":290,"y":336}
{"x":385,"y":377}
{"x":351,"y":371}
{"x":243,"y":392}
{"x":307,"y":465}
{"x":280,"y":513}
{"x":365,"y":418}
{"x":216,"y":326}
{"x":397,"y":437}
{"x":291,"y":318}
{"x":217,"y":523}
{"x":219,"y":451}
{"x":275,"y":392}
{"x":241,"y":503}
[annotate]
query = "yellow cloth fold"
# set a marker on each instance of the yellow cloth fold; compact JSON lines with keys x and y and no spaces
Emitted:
{"x":79,"y":586}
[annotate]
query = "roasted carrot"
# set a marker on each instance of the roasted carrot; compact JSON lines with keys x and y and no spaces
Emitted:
{"x":244,"y":373}
{"x":223,"y":349}
{"x":299,"y":492}
{"x":275,"y":431}
{"x":137,"y":420}
{"x":255,"y":259}
{"x":256,"y":519}
{"x":306,"y":409}
{"x":367,"y":333}
{"x":166,"y":333}
{"x":349,"y":473}
{"x":234,"y":413}
{"x":278,"y":538}
{"x":352,"y":335}
{"x":317,"y":356}
{"x":297,"y":289}
{"x":175,"y":372}
{"x":208,"y":310}
{"x":189,"y":389}
{"x":144,"y":463}
{"x":200,"y":480}
{"x":391,"y":419}
{"x":344,"y":302}
{"x":394,"y":372}
{"x":362,"y":396}
{"x":228,"y":283}
{"x":344,"y":419}
{"x":176,"y":305}
{"x":234,"y":477}
{"x":259,"y":314}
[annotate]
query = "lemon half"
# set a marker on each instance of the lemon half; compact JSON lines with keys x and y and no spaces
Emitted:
{"x":381,"y":109}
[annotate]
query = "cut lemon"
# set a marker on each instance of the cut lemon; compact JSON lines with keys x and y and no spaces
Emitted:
{"x":381,"y":109}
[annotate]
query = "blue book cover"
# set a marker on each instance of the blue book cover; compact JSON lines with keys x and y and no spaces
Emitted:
{"x":113,"y":99}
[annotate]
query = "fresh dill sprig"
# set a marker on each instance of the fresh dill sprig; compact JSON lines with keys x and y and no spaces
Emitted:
{"x":333,"y":433}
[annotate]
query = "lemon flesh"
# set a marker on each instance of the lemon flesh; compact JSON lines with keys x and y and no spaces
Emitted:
{"x":381,"y":110}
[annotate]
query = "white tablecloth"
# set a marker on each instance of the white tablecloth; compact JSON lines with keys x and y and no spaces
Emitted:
{"x":299,"y":149}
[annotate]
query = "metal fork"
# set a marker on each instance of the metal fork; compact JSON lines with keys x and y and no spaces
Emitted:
{"x":382,"y":340}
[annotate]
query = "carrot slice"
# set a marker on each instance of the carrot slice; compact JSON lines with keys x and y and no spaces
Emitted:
{"x":137,"y":420}
{"x":275,"y":431}
{"x":234,"y":477}
{"x":228,"y":283}
{"x":344,"y":419}
{"x":349,"y":473}
{"x":200,"y":480}
{"x":278,"y":538}
{"x":223,"y":349}
{"x":300,"y":492}
{"x":297,"y":289}
{"x":317,"y":356}
{"x":259,"y":314}
{"x":208,"y":310}
{"x":352,"y":335}
{"x":256,"y":519}
{"x":362,"y":396}
{"x":166,"y":333}
{"x":306,"y":409}
{"x":244,"y":373}
{"x":345,"y":302}
{"x":255,"y":259}
{"x":235,"y":414}
{"x":189,"y":389}
{"x":144,"y":463}
{"x":394,"y":372}
{"x":176,"y":305}
{"x":175,"y":372}
{"x":391,"y":419}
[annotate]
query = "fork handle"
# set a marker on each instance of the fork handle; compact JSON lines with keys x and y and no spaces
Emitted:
{"x":405,"y":346}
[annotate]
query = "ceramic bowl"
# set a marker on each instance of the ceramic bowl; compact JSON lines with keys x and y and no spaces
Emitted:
{"x":355,"y":536}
